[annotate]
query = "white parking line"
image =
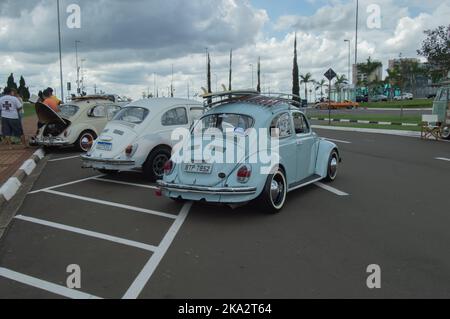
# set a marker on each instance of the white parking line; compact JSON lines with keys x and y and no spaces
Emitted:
{"x":331,"y":189}
{"x":124,"y":183}
{"x":113,"y":204}
{"x":443,"y":159}
{"x":338,"y":141}
{"x":66,"y":184}
{"x":64,"y":158}
{"x":89,"y":233}
{"x":45,"y":285}
{"x":141,"y":280}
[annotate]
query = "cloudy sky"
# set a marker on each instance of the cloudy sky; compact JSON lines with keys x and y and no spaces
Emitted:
{"x":127,"y":44}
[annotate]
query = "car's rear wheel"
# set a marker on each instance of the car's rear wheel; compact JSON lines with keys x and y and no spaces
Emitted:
{"x":274,"y":195}
{"x":85,"y":141}
{"x":154,"y":165}
{"x":333,"y":164}
{"x":446,"y":132}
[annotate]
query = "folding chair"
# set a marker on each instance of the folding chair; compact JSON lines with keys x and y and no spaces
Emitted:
{"x":430,"y":127}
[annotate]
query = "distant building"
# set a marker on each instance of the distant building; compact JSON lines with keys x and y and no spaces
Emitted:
{"x":359,"y":77}
{"x":423,"y":86}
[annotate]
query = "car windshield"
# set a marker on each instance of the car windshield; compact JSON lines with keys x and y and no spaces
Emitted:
{"x":225,"y":122}
{"x":68,"y":110}
{"x":132,"y":114}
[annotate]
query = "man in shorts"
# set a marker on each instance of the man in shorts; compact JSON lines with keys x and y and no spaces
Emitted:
{"x":10,"y":107}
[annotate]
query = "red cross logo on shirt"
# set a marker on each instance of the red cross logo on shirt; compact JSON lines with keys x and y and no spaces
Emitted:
{"x":7,"y":106}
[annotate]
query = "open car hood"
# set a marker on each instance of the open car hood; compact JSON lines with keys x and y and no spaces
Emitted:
{"x":47,"y":115}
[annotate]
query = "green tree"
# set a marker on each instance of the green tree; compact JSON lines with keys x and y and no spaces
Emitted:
{"x":394,"y":80}
{"x":23,"y":90}
{"x":306,"y":79}
{"x":341,"y":80}
{"x":368,"y":69}
{"x":11,"y":83}
{"x":319,"y":85}
{"x":295,"y":75}
{"x":436,"y":48}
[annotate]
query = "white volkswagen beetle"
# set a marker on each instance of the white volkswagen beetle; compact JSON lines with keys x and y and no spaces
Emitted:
{"x":79,"y":123}
{"x":139,"y":136}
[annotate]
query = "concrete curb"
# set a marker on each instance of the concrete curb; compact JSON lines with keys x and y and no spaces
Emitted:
{"x":10,"y":188}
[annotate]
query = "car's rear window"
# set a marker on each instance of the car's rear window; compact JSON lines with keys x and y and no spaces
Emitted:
{"x":68,"y":110}
{"x":225,"y":122}
{"x":132,"y":114}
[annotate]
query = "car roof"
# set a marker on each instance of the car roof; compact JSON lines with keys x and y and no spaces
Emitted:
{"x":158,"y":104}
{"x":251,"y":109}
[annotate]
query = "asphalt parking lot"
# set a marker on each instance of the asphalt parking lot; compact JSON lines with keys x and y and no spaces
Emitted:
{"x":390,"y":206}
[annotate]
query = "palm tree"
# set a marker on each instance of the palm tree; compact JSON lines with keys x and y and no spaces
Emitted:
{"x":320,"y":86}
{"x":305,"y":79}
{"x":393,"y":79}
{"x":340,"y":81}
{"x":368,"y":69}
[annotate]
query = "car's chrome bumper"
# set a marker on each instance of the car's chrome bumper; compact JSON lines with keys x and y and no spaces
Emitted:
{"x":164,"y":186}
{"x":89,"y":161}
{"x":49,"y":141}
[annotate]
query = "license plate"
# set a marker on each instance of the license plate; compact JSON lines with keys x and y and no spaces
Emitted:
{"x":104,"y":146}
{"x":198,"y":168}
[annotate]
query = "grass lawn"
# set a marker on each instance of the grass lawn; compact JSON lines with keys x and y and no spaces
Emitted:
{"x":373,"y":126}
{"x":417,"y":103}
{"x":375,"y":117}
{"x":28,"y":109}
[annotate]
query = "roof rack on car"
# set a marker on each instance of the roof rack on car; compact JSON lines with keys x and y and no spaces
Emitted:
{"x":250,"y":96}
{"x":95,"y":97}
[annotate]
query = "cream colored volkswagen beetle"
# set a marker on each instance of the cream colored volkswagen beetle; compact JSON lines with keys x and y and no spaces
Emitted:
{"x":79,"y":123}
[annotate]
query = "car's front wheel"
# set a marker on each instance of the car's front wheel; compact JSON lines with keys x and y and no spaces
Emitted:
{"x":274,"y":195}
{"x":154,"y":165}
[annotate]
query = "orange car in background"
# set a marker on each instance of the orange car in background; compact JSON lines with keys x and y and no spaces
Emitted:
{"x":337,"y":105}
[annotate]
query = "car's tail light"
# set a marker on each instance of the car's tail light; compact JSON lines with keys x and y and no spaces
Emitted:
{"x":158,"y":192}
{"x":129,"y":150}
{"x":168,"y":167}
{"x":243,"y":174}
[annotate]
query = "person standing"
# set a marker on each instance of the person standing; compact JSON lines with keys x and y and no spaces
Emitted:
{"x":10,"y":107}
{"x":21,"y":115}
{"x":50,"y":100}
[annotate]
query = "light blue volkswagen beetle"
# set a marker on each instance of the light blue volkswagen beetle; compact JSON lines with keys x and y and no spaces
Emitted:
{"x":248,"y":148}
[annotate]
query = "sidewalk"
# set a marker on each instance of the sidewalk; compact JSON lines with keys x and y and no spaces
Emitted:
{"x":12,"y":157}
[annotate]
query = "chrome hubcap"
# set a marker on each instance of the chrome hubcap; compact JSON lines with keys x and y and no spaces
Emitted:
{"x":277,"y":190}
{"x":86,"y":142}
{"x":158,"y":164}
{"x":446,"y":132}
{"x":333,"y":167}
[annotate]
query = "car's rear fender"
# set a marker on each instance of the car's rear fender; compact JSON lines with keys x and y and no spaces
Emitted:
{"x":323,"y":157}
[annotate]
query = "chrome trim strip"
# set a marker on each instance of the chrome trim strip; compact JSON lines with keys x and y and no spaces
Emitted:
{"x":305,"y":184}
{"x":207,"y":190}
{"x":106,"y":161}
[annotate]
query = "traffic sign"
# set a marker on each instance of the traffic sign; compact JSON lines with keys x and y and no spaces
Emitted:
{"x":330,"y":74}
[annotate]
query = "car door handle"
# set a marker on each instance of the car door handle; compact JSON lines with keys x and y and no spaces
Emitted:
{"x":299,"y":142}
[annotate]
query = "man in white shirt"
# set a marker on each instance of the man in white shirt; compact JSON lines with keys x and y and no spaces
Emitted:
{"x":10,"y":107}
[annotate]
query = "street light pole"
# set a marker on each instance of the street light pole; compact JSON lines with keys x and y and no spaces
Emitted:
{"x":356,"y":34}
{"x":78,"y":68}
{"x":349,"y":58}
{"x":60,"y":53}
{"x":251,"y":64}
